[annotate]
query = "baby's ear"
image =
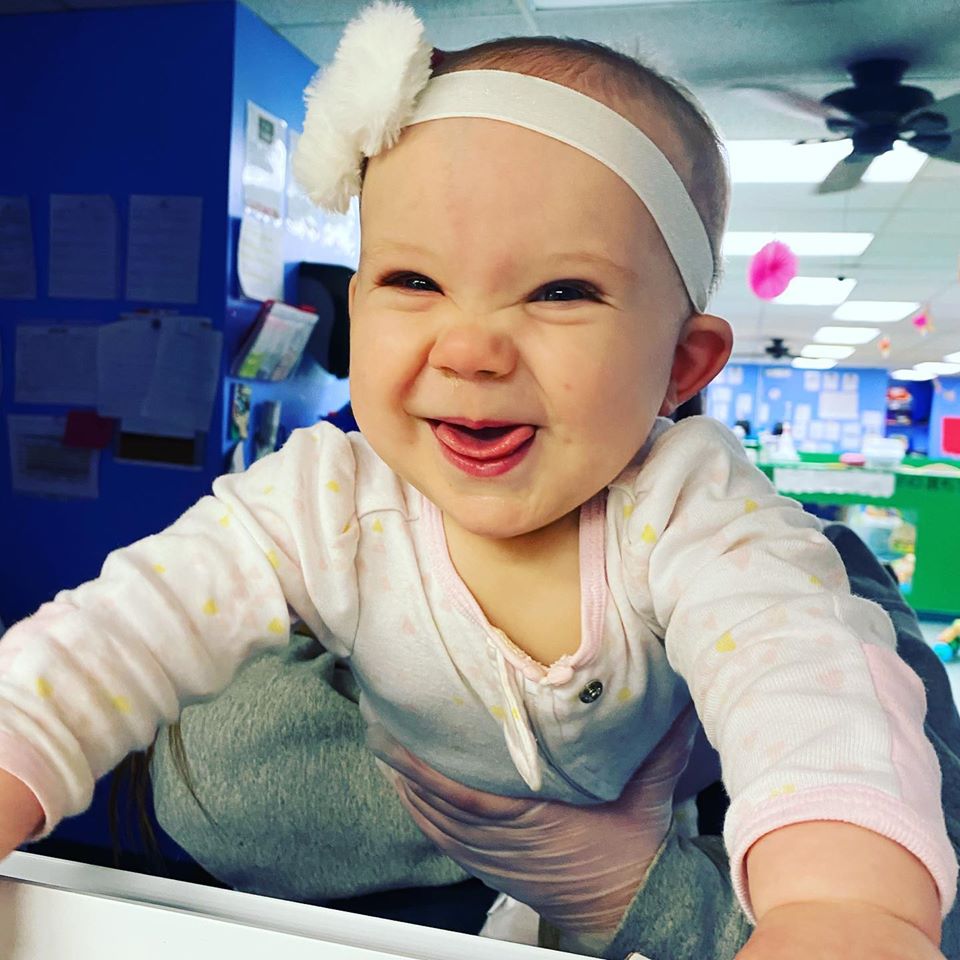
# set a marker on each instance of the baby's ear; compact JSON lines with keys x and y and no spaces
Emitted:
{"x":703,"y":348}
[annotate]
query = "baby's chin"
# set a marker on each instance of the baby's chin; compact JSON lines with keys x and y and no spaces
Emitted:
{"x":496,"y":518}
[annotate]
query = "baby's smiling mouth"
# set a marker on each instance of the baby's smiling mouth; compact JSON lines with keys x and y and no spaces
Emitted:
{"x":485,"y":440}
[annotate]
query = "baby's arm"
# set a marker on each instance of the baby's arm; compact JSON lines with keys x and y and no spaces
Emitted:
{"x":92,"y":674}
{"x":21,"y":815}
{"x":840,"y":864}
{"x":796,"y":681}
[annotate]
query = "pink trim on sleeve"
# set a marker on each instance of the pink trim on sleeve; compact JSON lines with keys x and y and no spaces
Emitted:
{"x":17,"y":757}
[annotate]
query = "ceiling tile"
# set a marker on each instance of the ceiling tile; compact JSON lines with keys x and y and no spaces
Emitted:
{"x":935,"y":196}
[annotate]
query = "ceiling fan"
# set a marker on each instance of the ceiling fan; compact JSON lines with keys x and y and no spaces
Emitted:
{"x":776,"y":349}
{"x":876,"y":112}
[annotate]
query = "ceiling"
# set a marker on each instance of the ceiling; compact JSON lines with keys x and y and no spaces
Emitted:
{"x":711,"y":44}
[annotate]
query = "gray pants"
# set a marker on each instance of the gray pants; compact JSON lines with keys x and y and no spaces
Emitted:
{"x":295,"y":807}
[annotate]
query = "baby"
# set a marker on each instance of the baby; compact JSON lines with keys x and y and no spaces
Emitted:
{"x":531,"y":571}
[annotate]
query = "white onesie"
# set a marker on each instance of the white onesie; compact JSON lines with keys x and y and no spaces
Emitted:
{"x":697,"y":580}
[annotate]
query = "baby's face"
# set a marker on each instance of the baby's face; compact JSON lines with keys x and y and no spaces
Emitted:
{"x":513,"y":322}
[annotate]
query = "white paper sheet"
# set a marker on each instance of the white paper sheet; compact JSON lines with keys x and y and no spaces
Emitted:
{"x":743,"y":406}
{"x":185,"y":375}
{"x":163,"y":248}
{"x":42,"y":466}
{"x":811,"y":380}
{"x":265,"y":162}
{"x":56,"y":364}
{"x":837,"y":405}
{"x":873,"y":421}
{"x":83,"y":246}
{"x":159,"y":373}
{"x":18,"y":271}
{"x":260,"y":257}
{"x":850,"y":382}
{"x":126,"y":351}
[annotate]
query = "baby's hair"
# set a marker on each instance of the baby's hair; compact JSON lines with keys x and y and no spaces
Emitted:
{"x":607,"y":74}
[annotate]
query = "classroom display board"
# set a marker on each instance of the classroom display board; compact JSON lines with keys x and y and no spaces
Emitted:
{"x":829,"y":411}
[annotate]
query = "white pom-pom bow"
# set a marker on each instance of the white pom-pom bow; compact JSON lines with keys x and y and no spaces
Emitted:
{"x":358,"y":105}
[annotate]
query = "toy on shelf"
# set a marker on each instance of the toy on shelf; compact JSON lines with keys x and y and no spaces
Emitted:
{"x":947,"y":646}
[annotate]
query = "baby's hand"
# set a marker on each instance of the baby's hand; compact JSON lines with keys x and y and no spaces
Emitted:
{"x":20,"y":813}
{"x":836,"y":931}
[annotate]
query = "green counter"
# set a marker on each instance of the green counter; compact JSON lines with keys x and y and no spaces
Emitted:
{"x":930,"y":500}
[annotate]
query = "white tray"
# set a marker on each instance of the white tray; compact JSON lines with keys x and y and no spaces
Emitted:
{"x":57,"y":908}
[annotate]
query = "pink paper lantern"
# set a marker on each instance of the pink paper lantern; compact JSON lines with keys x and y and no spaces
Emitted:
{"x":771,"y":270}
{"x":922,"y":322}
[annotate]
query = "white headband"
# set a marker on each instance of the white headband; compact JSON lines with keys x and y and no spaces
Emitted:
{"x":380,"y":82}
{"x":596,"y":130}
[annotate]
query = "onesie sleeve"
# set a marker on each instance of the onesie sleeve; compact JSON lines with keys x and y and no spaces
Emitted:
{"x":93,"y":673}
{"x":796,"y":681}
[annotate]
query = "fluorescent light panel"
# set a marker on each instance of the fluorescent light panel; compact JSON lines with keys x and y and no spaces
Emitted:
{"x":783,"y":161}
{"x":812,"y":363}
{"x":572,"y":4}
{"x":909,"y":374}
{"x":827,"y":351}
{"x":816,"y":292}
{"x":953,"y":357}
{"x":875,"y":311}
{"x":847,"y":335}
{"x":937,"y":369}
{"x":745,"y":243}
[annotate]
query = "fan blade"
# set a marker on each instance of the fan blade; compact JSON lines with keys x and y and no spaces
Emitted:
{"x":792,"y":102}
{"x":846,"y":175}
{"x":949,"y":108}
{"x":951,"y":153}
{"x":803,"y":143}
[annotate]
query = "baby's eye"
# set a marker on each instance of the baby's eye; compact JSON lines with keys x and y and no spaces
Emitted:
{"x":565,"y":290}
{"x":410,"y":281}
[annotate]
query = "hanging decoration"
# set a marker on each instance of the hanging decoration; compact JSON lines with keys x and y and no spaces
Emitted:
{"x":883,"y":345}
{"x":772,"y":268}
{"x":922,"y":322}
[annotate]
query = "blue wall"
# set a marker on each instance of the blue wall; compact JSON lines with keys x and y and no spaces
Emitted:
{"x":114,"y":102}
{"x":145,"y":100}
{"x":273,"y":74}
{"x":812,"y":401}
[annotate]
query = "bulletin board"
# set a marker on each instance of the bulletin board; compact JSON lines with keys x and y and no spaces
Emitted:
{"x":829,"y":411}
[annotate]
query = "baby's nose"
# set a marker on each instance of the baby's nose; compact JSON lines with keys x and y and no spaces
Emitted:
{"x":473,"y":351}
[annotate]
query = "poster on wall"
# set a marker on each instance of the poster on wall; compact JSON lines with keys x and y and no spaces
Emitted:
{"x":18,"y":271}
{"x":260,"y":248}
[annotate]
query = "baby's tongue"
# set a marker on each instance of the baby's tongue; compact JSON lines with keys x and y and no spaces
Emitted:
{"x":487,"y":443}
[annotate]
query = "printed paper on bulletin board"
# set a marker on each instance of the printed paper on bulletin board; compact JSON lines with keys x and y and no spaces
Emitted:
{"x":838,"y":405}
